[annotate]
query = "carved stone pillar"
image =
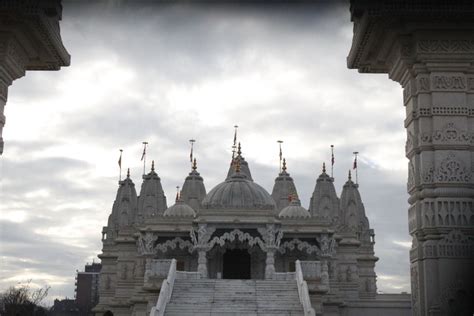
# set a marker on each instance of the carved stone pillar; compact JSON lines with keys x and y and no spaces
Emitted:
{"x":270,"y":264}
{"x":324,"y":273}
{"x":29,"y":40}
{"x":202,"y":263}
{"x":431,"y":57}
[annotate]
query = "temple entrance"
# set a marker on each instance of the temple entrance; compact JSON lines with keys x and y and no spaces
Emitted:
{"x":236,"y":264}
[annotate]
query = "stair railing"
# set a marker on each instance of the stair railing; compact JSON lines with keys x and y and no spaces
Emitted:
{"x":303,"y":291}
{"x":165,"y":291}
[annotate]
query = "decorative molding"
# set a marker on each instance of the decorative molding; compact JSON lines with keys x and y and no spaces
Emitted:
{"x":176,"y":243}
{"x":297,"y":244}
{"x":422,"y":83}
{"x":450,"y":133}
{"x":409,"y":144}
{"x":452,"y":169}
{"x":448,"y":82}
{"x":146,"y":243}
{"x":411,"y":176}
{"x":445,"y":46}
{"x":236,"y":235}
{"x":414,"y":289}
{"x":447,"y":213}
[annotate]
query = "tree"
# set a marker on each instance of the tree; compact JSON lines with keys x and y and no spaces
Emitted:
{"x":22,"y":300}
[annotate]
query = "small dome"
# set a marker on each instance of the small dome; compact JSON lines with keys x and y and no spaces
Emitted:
{"x":180,"y":209}
{"x":238,"y":192}
{"x":294,"y":210}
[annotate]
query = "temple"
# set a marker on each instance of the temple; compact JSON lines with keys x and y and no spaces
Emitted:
{"x":239,"y":250}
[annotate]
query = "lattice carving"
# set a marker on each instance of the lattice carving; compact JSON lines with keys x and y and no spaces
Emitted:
{"x":449,"y":82}
{"x":236,"y":235}
{"x":296,"y":244}
{"x":176,"y":243}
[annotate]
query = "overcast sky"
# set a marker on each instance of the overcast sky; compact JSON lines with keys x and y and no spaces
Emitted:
{"x":166,"y":74}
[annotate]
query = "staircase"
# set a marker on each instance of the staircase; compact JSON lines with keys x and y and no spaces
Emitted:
{"x":200,"y":297}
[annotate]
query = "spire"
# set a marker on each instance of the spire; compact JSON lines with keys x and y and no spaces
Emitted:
{"x":193,"y":190}
{"x":324,"y":202}
{"x":152,"y":199}
{"x":125,"y":204}
{"x":244,"y":167}
{"x":284,"y":189}
{"x":177,"y":193}
{"x":353,"y":211}
{"x":237,"y":163}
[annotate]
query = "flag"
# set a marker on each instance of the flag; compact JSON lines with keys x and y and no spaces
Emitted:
{"x":355,"y":163}
{"x":281,"y":154}
{"x":120,"y":159}
{"x":144,"y":153}
{"x":235,"y":136}
{"x":332,"y":155}
{"x":191,"y":154}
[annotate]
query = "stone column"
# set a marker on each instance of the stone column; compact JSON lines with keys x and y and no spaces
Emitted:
{"x":324,"y":272}
{"x":431,"y":57}
{"x":270,"y":264}
{"x":202,"y":263}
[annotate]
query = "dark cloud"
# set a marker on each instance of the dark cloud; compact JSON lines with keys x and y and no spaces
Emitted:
{"x":277,"y":71}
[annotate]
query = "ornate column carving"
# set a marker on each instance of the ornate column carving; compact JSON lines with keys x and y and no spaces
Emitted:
{"x":432,"y":60}
{"x":201,"y":239}
{"x":271,"y":237}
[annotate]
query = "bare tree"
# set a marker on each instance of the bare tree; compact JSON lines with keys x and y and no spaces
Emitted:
{"x":23,"y":300}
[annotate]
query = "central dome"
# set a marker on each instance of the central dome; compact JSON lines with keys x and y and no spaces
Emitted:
{"x":238,"y":192}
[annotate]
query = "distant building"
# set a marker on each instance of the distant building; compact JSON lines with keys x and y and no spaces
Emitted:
{"x":65,"y":307}
{"x":87,"y":288}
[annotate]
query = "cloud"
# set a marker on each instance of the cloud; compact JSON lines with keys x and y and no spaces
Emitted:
{"x":170,"y":73}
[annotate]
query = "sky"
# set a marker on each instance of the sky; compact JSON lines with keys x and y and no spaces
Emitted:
{"x":169,"y":73}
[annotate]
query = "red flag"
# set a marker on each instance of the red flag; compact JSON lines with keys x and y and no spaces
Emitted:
{"x":355,"y":163}
{"x":120,"y":159}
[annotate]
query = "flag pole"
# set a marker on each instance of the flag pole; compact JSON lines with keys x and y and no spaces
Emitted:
{"x":144,"y":156}
{"x":191,"y":155}
{"x":332,"y":161}
{"x":281,"y":153}
{"x":120,"y":165}
{"x":355,"y":165}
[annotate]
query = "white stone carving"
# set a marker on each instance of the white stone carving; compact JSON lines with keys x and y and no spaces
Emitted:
{"x":146,"y":243}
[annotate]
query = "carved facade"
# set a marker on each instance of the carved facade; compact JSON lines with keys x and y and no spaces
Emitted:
{"x":435,"y":71}
{"x":237,"y":221}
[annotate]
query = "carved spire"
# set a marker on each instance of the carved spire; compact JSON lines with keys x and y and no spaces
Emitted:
{"x":324,"y":202}
{"x":284,"y":189}
{"x":152,"y":199}
{"x":193,"y":190}
{"x":237,"y":163}
{"x":324,"y":167}
{"x":350,"y":176}
{"x":128,"y":173}
{"x":194,"y":164}
{"x":177,"y":193}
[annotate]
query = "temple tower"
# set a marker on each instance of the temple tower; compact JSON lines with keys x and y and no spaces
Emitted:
{"x":428,"y":47}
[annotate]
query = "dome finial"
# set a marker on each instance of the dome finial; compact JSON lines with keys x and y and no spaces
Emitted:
{"x":194,"y":164}
{"x":237,"y":163}
{"x":324,"y":167}
{"x":152,"y":165}
{"x":239,"y":150}
{"x":284,"y":165}
{"x":350,"y":176}
{"x":177,"y":193}
{"x":128,"y":173}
